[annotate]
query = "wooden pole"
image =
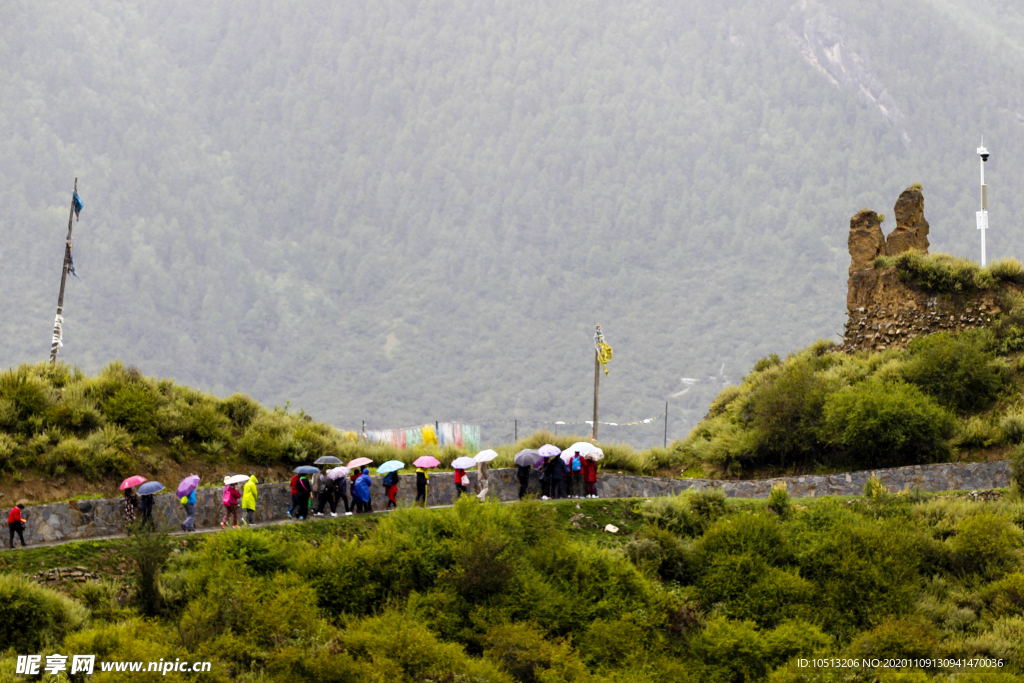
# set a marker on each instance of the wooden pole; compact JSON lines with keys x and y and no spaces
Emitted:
{"x":597,"y":384}
{"x":58,"y":322}
{"x":666,"y":424}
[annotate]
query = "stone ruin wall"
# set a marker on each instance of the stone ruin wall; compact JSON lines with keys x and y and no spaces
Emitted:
{"x":883,"y":312}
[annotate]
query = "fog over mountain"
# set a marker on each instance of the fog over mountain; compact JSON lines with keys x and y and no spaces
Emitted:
{"x":414,"y":211}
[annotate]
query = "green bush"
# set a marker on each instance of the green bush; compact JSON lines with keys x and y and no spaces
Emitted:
{"x":240,"y":409}
{"x":792,"y":639}
{"x":887,"y":425}
{"x":1012,"y":425}
{"x":985,"y":544}
{"x":938,"y":272}
{"x":134,"y":407}
{"x":1017,"y":467}
{"x":23,"y":395}
{"x":779,"y":501}
{"x":672,"y":513}
{"x":531,"y":656}
{"x":957,"y":370}
{"x":733,"y":650}
{"x":898,"y":638}
{"x":34,"y":616}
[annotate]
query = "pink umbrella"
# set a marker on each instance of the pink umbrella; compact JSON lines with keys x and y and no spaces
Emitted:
{"x":132,"y":481}
{"x":426,"y":461}
{"x":359,"y":462}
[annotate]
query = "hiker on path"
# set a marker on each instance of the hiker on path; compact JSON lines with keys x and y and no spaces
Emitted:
{"x":391,"y":488}
{"x":341,"y":492}
{"x":576,"y":467}
{"x":314,"y":489}
{"x":523,"y":474}
{"x":131,"y":501}
{"x":249,"y":494}
{"x":328,"y":496}
{"x":422,"y":479}
{"x":16,"y":523}
{"x":295,"y":494}
{"x":361,"y":491}
{"x":190,"y":511}
{"x":555,"y":471}
{"x":320,"y":485}
{"x":568,"y":478}
{"x":483,"y":480}
{"x":590,"y":477}
{"x":230,"y":501}
{"x":146,"y":506}
{"x":460,"y":483}
{"x":302,"y":501}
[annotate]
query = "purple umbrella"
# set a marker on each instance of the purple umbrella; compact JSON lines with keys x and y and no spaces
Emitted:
{"x":188,"y":485}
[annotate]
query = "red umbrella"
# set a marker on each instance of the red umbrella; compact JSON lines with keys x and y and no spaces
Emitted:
{"x":132,"y":481}
{"x":426,"y":461}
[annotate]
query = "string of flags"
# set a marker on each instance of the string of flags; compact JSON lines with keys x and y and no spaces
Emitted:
{"x":447,"y":433}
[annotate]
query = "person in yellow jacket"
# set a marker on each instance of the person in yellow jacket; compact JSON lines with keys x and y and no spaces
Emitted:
{"x":249,"y":494}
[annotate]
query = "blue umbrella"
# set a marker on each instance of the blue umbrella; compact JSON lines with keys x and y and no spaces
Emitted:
{"x":390,"y":466}
{"x":306,"y":469}
{"x":150,"y":487}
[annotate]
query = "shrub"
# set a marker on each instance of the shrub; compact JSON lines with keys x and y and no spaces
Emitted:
{"x":1012,"y":425}
{"x":1017,"y":467}
{"x":708,"y":504}
{"x":769,"y":361}
{"x":148,"y":549}
{"x":240,"y":409}
{"x":734,"y":650}
{"x":957,"y":371}
{"x":745,"y":587}
{"x":23,"y":395}
{"x":759,"y":535}
{"x":938,"y":272}
{"x":74,"y":414}
{"x":35,"y":616}
{"x":984,"y":544}
{"x":898,"y":638}
{"x":1006,"y":596}
{"x":786,"y":413}
{"x":874,"y":489}
{"x":887,"y":425}
{"x":133,"y":407}
{"x":672,"y":513}
{"x":794,"y":639}
{"x":779,"y":501}
{"x":531,"y":656}
{"x":1007,"y":270}
{"x":978,"y":432}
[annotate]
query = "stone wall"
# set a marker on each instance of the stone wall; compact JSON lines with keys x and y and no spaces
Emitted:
{"x":104,"y":517}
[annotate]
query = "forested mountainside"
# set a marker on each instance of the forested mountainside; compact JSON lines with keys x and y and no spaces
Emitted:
{"x":403,"y":212}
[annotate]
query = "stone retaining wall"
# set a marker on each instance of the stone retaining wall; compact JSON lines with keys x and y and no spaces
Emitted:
{"x":104,"y":517}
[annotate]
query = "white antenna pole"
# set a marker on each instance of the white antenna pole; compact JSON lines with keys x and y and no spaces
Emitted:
{"x":982,"y":215}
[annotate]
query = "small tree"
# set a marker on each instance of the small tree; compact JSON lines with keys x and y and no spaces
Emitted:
{"x":148,"y":547}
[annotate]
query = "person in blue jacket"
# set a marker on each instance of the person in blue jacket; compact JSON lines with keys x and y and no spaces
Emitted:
{"x":361,"y":491}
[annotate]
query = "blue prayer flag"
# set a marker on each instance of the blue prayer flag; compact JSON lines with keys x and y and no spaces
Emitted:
{"x":78,"y":203}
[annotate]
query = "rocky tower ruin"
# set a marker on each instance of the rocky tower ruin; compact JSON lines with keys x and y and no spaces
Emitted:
{"x":883,"y":312}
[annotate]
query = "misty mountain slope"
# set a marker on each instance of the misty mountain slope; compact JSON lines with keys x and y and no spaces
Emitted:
{"x":406,"y":212}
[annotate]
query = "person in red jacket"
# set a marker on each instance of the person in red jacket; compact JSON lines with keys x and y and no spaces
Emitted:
{"x":295,"y":494}
{"x":16,"y":523}
{"x":590,"y":477}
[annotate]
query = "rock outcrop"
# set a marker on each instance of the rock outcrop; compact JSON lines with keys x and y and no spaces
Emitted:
{"x":866,"y":240}
{"x":885,"y":312}
{"x":911,"y":228}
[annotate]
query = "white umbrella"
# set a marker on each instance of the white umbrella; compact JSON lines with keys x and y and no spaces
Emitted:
{"x":236,"y":479}
{"x":338,"y":472}
{"x":486,"y":456}
{"x":463,"y":463}
{"x":585,"y":448}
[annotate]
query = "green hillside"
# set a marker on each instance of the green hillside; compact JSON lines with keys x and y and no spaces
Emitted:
{"x":407,"y":212}
{"x":692,"y":589}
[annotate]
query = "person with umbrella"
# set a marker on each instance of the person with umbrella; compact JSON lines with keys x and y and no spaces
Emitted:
{"x":555,"y":473}
{"x":131,"y":501}
{"x":590,"y":476}
{"x":16,"y":523}
{"x":230,"y":501}
{"x":187,"y":493}
{"x":524,"y":460}
{"x":305,"y":490}
{"x":249,"y":494}
{"x":338,"y":476}
{"x":461,"y":478}
{"x":483,"y":478}
{"x":576,"y":472}
{"x":390,"y":482}
{"x":314,"y":489}
{"x":295,"y":494}
{"x":423,"y":463}
{"x":146,"y":492}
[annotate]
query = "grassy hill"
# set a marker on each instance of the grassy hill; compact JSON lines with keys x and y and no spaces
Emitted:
{"x":692,"y":589}
{"x":410,"y":212}
{"x":65,"y":434}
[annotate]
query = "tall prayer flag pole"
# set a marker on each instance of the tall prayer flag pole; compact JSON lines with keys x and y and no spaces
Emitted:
{"x":602,"y":354}
{"x":58,"y":322}
{"x":982,"y":215}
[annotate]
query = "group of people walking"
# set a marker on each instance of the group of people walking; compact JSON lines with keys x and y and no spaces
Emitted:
{"x":572,"y":478}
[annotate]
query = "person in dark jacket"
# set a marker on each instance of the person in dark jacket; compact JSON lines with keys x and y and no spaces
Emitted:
{"x":523,"y":474}
{"x":557,"y":473}
{"x":16,"y":523}
{"x":328,"y":496}
{"x":422,"y":480}
{"x":302,"y":503}
{"x":342,"y":492}
{"x":146,"y":507}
